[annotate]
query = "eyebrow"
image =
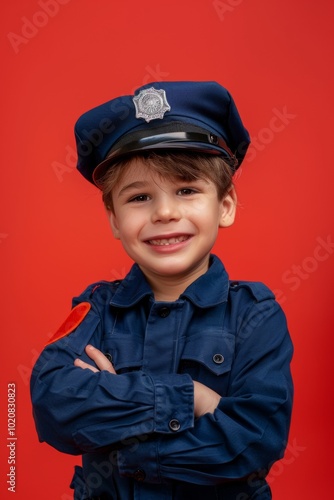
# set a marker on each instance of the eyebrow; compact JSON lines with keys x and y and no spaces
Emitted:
{"x":133,"y":185}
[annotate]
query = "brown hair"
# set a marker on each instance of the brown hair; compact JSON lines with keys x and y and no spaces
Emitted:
{"x":186,"y":166}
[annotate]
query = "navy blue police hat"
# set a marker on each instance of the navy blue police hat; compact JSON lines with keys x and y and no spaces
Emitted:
{"x":190,"y":116}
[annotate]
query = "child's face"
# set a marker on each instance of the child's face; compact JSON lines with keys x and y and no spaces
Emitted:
{"x":168,"y":226}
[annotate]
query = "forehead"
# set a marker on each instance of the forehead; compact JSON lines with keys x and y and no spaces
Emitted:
{"x":134,"y":170}
{"x":136,"y":167}
{"x":137,"y":174}
{"x":165,"y":166}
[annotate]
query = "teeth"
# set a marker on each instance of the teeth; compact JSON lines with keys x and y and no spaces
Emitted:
{"x":168,"y":241}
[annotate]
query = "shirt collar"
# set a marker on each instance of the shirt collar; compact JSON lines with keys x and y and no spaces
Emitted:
{"x":208,"y":290}
{"x":211,"y":288}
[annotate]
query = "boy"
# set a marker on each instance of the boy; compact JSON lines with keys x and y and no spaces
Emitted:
{"x":173,"y":383}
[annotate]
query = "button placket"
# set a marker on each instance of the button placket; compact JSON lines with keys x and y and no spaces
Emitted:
{"x":164,"y":312}
{"x":160,"y":343}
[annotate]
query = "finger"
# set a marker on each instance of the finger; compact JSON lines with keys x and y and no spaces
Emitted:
{"x":82,"y":364}
{"x":99,"y":358}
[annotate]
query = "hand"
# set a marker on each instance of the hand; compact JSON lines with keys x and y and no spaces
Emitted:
{"x":99,"y":359}
{"x":205,"y":399}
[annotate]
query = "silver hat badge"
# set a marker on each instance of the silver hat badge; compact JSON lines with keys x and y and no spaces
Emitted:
{"x":151,"y":104}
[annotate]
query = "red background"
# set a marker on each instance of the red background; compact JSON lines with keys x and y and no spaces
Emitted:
{"x":276,"y":59}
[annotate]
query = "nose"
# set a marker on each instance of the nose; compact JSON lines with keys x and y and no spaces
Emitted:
{"x":166,"y":209}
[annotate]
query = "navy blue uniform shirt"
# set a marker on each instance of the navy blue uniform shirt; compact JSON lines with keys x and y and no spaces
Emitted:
{"x":136,"y":430}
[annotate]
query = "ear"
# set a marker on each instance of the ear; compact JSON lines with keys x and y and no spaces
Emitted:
{"x":113,"y":224}
{"x":228,"y":208}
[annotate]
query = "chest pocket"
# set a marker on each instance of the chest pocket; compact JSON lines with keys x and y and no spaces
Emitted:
{"x":124,"y":351}
{"x":208,"y":359}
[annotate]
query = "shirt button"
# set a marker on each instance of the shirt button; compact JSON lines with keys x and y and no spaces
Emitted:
{"x":233,"y":284}
{"x":139,"y":475}
{"x":108,"y":356}
{"x":164,"y":312}
{"x":174,"y":425}
{"x":218,"y":359}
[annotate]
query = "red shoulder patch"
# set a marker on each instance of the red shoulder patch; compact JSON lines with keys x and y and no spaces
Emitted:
{"x":76,"y":316}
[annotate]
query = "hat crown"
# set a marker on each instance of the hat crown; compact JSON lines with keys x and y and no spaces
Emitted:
{"x":207,"y":105}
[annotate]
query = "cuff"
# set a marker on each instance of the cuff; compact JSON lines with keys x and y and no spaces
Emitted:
{"x":174,"y":403}
{"x":174,"y":413}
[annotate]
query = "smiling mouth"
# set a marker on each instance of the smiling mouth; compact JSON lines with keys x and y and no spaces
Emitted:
{"x":168,"y":241}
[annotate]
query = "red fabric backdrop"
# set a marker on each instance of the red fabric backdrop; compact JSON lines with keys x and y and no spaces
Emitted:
{"x":61,"y":57}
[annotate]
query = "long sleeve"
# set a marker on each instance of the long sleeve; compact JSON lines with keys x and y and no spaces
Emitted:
{"x":78,"y":411}
{"x":249,"y":429}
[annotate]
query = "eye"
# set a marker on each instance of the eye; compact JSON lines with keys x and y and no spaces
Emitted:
{"x":139,"y":198}
{"x":186,"y":191}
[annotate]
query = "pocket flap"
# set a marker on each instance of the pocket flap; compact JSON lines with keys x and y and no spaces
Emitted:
{"x":124,"y":352}
{"x":215,"y":350}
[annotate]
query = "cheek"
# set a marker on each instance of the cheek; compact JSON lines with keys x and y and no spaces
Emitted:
{"x":197,"y":209}
{"x":129,"y":224}
{"x":205,"y":212}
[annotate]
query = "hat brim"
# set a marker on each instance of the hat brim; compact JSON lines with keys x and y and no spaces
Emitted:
{"x":170,"y":138}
